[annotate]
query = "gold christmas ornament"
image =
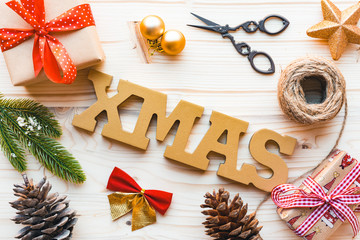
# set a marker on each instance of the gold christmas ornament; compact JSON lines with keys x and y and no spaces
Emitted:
{"x":173,"y":42}
{"x":339,"y":27}
{"x":152,"y":27}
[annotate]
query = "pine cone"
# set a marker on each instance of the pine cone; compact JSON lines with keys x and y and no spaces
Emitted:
{"x":229,"y":221}
{"x":45,"y":216}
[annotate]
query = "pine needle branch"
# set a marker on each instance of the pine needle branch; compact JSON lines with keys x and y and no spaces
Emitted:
{"x":55,"y":158}
{"x":11,"y":148}
{"x":34,"y":113}
{"x":30,"y":124}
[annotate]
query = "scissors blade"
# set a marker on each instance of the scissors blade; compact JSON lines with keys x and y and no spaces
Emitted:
{"x":211,"y":28}
{"x":206,"y":21}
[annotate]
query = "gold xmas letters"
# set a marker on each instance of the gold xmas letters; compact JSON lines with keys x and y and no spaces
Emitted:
{"x":154,"y":103}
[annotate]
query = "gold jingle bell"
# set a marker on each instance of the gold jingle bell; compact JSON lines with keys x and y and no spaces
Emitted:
{"x":173,"y":42}
{"x":152,"y":27}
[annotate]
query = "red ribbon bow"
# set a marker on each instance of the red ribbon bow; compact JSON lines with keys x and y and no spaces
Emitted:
{"x":48,"y":52}
{"x":289,"y":196}
{"x":120,"y":181}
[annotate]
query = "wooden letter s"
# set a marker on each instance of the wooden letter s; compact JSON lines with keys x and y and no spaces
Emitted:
{"x":248,"y":174}
{"x":258,"y":151}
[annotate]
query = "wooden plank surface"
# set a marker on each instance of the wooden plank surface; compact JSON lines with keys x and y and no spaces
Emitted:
{"x":208,"y":73}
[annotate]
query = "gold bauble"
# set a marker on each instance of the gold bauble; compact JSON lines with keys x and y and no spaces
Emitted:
{"x":152,"y":27}
{"x":173,"y":42}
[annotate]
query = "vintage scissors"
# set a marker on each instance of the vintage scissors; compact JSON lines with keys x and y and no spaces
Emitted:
{"x":243,"y":48}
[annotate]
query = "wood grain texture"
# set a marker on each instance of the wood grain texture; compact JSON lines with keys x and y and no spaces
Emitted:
{"x":208,"y":73}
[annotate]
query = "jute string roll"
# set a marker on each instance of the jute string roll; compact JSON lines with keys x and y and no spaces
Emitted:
{"x":290,"y":91}
{"x":292,"y":97}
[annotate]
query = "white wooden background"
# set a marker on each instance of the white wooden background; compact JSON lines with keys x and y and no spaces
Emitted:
{"x":208,"y":73}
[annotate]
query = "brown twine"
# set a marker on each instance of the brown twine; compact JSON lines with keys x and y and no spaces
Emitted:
{"x":292,"y":97}
{"x":335,"y":73}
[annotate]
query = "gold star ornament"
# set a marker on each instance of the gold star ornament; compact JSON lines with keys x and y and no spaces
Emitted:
{"x":339,"y":27}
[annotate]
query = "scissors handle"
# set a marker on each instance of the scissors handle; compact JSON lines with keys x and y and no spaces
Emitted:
{"x":245,"y":50}
{"x":262,"y":23}
{"x":253,"y":26}
{"x":251,"y":57}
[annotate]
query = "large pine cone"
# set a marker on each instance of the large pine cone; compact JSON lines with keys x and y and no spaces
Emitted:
{"x":229,"y":221}
{"x":45,"y":216}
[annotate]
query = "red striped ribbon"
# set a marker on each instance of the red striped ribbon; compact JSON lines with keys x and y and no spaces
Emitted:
{"x":289,"y":196}
{"x":48,"y":52}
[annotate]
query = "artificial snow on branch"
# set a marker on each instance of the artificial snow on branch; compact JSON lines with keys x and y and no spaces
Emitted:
{"x":26,"y":124}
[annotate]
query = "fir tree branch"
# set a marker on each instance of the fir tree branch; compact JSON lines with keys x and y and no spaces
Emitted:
{"x":11,"y":148}
{"x":30,"y":111}
{"x":48,"y":151}
{"x":55,"y":158}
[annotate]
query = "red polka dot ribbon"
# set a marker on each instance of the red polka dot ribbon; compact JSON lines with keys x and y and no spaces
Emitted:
{"x":48,"y":52}
{"x":289,"y":196}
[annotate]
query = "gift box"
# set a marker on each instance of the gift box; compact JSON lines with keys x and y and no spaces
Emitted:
{"x":319,"y":210}
{"x":82,"y":44}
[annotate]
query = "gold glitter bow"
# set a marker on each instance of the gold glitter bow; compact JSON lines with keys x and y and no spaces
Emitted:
{"x":142,"y":213}
{"x":130,"y":196}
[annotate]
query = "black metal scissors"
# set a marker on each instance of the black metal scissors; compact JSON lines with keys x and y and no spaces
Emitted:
{"x":243,"y":48}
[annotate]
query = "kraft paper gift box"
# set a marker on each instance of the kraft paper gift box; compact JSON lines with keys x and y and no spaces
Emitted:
{"x":329,"y":174}
{"x":82,"y":45}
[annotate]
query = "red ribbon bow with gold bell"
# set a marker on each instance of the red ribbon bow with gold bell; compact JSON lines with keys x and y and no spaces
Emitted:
{"x":48,"y":52}
{"x":130,"y":196}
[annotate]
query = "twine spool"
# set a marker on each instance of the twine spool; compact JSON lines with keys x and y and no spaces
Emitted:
{"x":293,"y":102}
{"x":292,"y":96}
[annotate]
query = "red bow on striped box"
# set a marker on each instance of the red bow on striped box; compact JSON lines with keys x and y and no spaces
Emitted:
{"x":48,"y":52}
{"x":328,"y":203}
